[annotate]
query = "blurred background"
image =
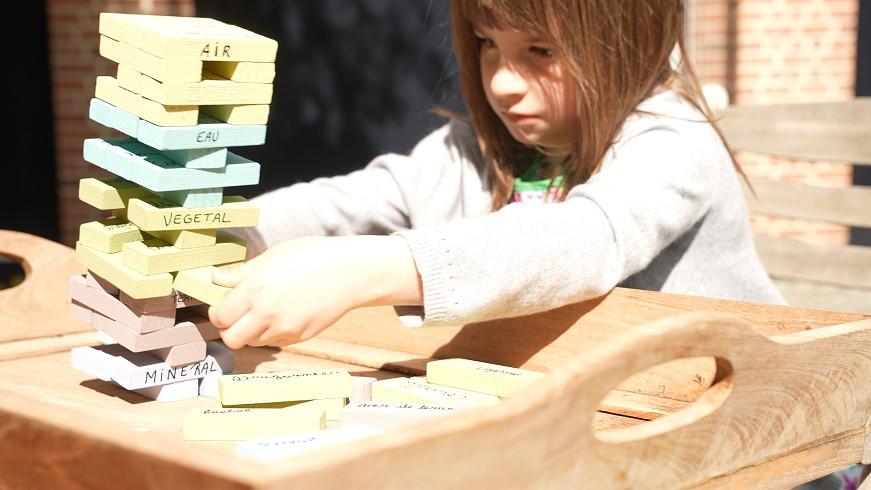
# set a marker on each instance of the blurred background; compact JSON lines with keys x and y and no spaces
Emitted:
{"x":356,"y":78}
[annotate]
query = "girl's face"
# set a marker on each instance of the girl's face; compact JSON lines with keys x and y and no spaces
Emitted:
{"x":527,"y":87}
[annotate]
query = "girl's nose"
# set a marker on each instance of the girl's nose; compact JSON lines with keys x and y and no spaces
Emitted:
{"x":508,"y":82}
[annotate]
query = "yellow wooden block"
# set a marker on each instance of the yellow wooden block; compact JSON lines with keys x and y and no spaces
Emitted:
{"x":242,"y":71}
{"x":154,"y":256}
{"x":109,"y":235}
{"x":213,"y":90}
{"x":109,"y":91}
{"x":111,"y":268}
{"x":197,"y":283}
{"x":188,"y":37}
{"x":110,"y":193}
{"x":302,"y":384}
{"x":160,"y":214}
{"x":129,"y":78}
{"x":332,"y":406}
{"x":480,"y":376}
{"x":186,"y":238}
{"x":407,"y":390}
{"x":239,"y":424}
{"x":165,"y":70}
{"x":238,"y":114}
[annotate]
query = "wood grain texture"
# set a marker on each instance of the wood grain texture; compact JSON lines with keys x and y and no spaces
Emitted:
{"x":846,"y":206}
{"x":839,"y":265}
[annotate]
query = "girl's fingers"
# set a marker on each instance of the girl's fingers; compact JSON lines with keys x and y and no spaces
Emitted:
{"x":230,"y":276}
{"x":248,"y":328}
{"x":235,"y":304}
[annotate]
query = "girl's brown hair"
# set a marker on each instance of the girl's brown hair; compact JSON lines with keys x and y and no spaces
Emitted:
{"x":617,"y":52}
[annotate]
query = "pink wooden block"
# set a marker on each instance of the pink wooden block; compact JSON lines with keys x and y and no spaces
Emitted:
{"x":173,"y":301}
{"x":181,"y":354}
{"x":97,"y":282}
{"x":189,"y":330}
{"x":82,"y":312}
{"x":361,"y":389}
{"x":110,"y":306}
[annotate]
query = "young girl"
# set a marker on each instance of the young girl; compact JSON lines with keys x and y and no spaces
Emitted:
{"x":588,"y":162}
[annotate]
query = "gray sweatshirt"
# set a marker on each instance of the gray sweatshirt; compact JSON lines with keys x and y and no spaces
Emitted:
{"x":665,"y":212}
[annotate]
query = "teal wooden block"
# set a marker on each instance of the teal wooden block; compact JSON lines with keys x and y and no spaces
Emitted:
{"x":209,"y":133}
{"x":137,"y":162}
{"x":199,"y":157}
{"x":198,"y":198}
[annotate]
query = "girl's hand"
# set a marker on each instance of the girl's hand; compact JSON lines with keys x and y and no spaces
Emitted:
{"x":294,"y":290}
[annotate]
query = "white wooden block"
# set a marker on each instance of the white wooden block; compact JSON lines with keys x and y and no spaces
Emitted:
{"x":182,"y":390}
{"x":105,"y":339}
{"x":361,"y":389}
{"x":226,"y":358}
{"x":92,"y":361}
{"x":275,"y":448}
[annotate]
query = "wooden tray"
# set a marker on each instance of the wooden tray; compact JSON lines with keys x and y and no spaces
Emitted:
{"x":786,"y":400}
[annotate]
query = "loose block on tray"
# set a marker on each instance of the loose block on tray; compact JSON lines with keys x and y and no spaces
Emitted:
{"x":109,"y":235}
{"x":190,"y":329}
{"x":275,"y":448}
{"x":196,"y":38}
{"x":157,"y":214}
{"x":111,"y":267}
{"x":239,"y":424}
{"x":389,"y":415}
{"x":137,"y":162}
{"x":198,"y":284}
{"x":154,"y":256}
{"x":407,"y":390}
{"x":112,"y":307}
{"x":208,"y":133}
{"x":110,"y":193}
{"x":480,"y":376}
{"x":303,"y":384}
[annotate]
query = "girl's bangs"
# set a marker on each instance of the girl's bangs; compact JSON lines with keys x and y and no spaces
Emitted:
{"x":520,"y":15}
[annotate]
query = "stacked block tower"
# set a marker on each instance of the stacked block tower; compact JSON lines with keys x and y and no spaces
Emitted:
{"x":186,"y":90}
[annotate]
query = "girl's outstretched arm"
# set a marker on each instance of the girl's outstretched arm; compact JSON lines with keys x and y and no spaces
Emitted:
{"x":296,"y":289}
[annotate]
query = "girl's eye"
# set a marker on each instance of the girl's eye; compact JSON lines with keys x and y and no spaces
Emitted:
{"x":545,"y":52}
{"x":484,"y":42}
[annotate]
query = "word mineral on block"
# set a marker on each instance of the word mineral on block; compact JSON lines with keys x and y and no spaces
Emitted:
{"x":240,"y":424}
{"x":162,"y":215}
{"x":275,"y":448}
{"x":480,"y":376}
{"x":154,"y":256}
{"x":109,"y":235}
{"x":389,"y":415}
{"x":407,"y":390}
{"x":111,"y":267}
{"x":198,"y":284}
{"x":303,"y":384}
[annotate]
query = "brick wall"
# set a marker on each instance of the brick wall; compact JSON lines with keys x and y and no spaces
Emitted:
{"x":780,"y":51}
{"x":75,"y":64}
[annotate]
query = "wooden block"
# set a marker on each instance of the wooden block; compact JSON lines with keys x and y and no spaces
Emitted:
{"x":130,"y":79}
{"x":216,"y":349}
{"x":92,"y":361}
{"x":361,"y":389}
{"x":157,"y":214}
{"x":105,"y":339}
{"x":196,"y":198}
{"x":480,"y":376}
{"x":188,"y":37}
{"x":131,"y":282}
{"x":303,"y":384}
{"x":213,"y":90}
{"x":108,"y":235}
{"x":110,"y":91}
{"x":242,"y":71}
{"x":276,"y":448}
{"x":134,"y":161}
{"x":82,"y":312}
{"x":198,"y":283}
{"x":97,"y":282}
{"x":209,"y":133}
{"x":110,"y":193}
{"x":166,"y":70}
{"x":154,"y":256}
{"x":406,"y":390}
{"x":110,"y":306}
{"x":187,"y":238}
{"x":389,"y":415}
{"x":190,"y":329}
{"x":238,"y":114}
{"x":332,"y":406}
{"x":175,"y":300}
{"x":199,"y":157}
{"x":172,"y":392}
{"x":179,"y":355}
{"x":240,"y":424}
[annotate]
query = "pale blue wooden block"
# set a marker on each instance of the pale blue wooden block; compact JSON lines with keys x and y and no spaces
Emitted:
{"x":134,"y":161}
{"x":199,"y":198}
{"x":199,"y":157}
{"x":112,"y":117}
